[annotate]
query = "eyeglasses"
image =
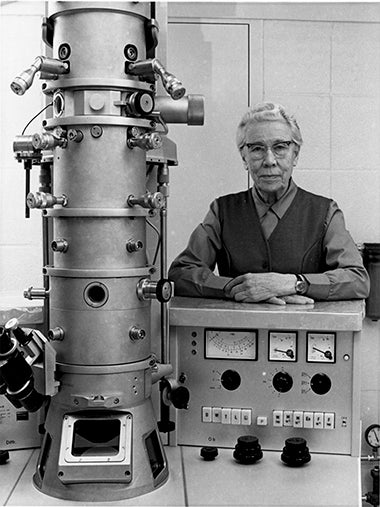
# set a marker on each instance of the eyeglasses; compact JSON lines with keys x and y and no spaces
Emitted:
{"x":259,"y":151}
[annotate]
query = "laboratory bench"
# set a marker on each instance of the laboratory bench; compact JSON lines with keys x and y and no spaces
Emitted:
{"x":201,"y":352}
{"x":325,"y":481}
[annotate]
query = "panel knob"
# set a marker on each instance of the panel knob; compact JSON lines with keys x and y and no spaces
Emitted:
{"x":230,"y":380}
{"x":209,"y":453}
{"x":320,"y":383}
{"x":282,"y":382}
{"x":295,"y":453}
{"x":247,"y":450}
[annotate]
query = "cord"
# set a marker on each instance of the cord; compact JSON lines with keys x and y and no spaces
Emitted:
{"x":34,"y":117}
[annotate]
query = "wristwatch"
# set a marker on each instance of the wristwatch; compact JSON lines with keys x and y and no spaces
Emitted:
{"x":301,"y":285}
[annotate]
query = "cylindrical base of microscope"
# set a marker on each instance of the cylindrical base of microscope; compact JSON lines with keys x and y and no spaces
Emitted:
{"x":88,"y":453}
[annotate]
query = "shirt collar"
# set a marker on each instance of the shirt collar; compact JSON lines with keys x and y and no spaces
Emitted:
{"x":280,"y":206}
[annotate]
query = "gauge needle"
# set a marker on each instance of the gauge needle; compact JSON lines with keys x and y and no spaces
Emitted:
{"x":288,"y":352}
{"x":326,"y":353}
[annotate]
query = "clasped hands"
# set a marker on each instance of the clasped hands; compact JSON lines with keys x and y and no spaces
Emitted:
{"x":275,"y":288}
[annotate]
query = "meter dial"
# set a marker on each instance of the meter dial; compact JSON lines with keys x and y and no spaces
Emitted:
{"x":230,"y":344}
{"x":321,"y":347}
{"x":372,"y":436}
{"x":282,"y":346}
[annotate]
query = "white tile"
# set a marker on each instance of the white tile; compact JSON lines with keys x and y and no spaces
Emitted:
{"x":357,"y":194}
{"x":296,"y":57}
{"x":355,"y":59}
{"x":317,"y":182}
{"x":370,"y":355}
{"x":11,"y":471}
{"x":20,"y":267}
{"x":15,"y":228}
{"x":355,"y":133}
{"x":209,"y":162}
{"x":312,"y":113}
{"x":20,"y":44}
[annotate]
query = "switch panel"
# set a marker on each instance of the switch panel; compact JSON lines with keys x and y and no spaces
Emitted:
{"x":270,"y":384}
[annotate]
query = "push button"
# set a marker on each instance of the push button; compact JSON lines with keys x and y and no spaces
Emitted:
{"x":216,"y":414}
{"x":206,"y":414}
{"x":246,"y":416}
{"x":236,"y":416}
{"x":277,"y":418}
{"x":226,"y":416}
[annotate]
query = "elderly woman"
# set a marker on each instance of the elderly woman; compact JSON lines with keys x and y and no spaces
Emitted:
{"x":274,"y":242}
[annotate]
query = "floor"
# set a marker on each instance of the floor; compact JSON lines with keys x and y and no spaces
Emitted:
{"x":326,"y":481}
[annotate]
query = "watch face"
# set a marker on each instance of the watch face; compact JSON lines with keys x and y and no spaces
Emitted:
{"x":300,"y":287}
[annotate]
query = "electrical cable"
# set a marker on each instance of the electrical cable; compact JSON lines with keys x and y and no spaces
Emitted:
{"x":34,"y":117}
{"x":158,"y":242}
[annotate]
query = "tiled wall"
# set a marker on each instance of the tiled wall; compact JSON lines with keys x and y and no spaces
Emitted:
{"x":20,"y":239}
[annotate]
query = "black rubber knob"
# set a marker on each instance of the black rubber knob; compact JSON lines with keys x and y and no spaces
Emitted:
{"x":320,"y":383}
{"x":180,"y":397}
{"x":4,"y":457}
{"x":247,"y":450}
{"x":282,"y":382}
{"x":230,"y":380}
{"x":209,"y":453}
{"x":295,"y":453}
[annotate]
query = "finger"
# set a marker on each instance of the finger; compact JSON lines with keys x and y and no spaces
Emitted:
{"x":298,"y":299}
{"x":276,"y":301}
{"x":238,"y":290}
{"x":232,"y":283}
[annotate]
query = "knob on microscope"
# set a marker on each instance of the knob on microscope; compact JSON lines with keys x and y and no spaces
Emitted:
{"x":247,"y":450}
{"x":209,"y":453}
{"x":295,"y":453}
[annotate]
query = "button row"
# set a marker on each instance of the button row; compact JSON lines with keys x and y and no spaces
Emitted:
{"x":300,"y":419}
{"x":227,"y":415}
{"x":281,"y":418}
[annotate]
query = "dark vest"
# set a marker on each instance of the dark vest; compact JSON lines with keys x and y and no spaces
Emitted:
{"x":295,"y":245}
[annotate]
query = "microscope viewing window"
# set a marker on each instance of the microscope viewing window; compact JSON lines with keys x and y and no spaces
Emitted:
{"x":96,"y":437}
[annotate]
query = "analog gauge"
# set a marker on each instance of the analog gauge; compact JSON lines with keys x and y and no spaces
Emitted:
{"x":372,"y":436}
{"x":230,"y":344}
{"x":321,"y":347}
{"x":282,"y":346}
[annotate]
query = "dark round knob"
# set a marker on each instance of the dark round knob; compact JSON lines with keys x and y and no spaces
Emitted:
{"x":230,"y":380}
{"x":166,"y":426}
{"x":164,"y":290}
{"x":320,"y":383}
{"x":295,"y":453}
{"x":282,"y":382}
{"x":4,"y":457}
{"x":247,"y":450}
{"x":209,"y":453}
{"x":180,"y":397}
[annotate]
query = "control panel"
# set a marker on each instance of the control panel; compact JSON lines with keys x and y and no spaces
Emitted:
{"x":268,"y":381}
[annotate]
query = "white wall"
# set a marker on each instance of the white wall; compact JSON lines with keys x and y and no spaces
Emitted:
{"x":20,"y":239}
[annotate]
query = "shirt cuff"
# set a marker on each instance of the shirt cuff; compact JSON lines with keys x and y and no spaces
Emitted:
{"x":214,"y":286}
{"x":319,"y":285}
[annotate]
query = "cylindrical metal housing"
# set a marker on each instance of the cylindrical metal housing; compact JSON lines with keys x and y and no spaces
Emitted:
{"x":99,"y":328}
